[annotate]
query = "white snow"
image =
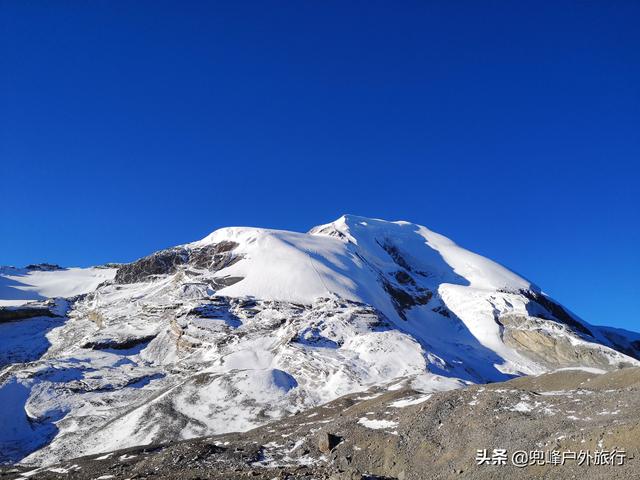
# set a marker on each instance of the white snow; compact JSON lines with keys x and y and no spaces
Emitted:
{"x":19,"y":286}
{"x":377,"y":424}
{"x":522,"y":407}
{"x":407,"y":402}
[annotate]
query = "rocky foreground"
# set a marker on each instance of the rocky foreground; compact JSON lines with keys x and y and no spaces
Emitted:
{"x":569,"y":424}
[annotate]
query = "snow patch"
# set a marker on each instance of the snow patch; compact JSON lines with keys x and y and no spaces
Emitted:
{"x":407,"y":402}
{"x":377,"y":424}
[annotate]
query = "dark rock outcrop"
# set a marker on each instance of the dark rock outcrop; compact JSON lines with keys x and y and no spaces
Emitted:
{"x":556,"y":310}
{"x":213,"y":257}
{"x":395,"y":254}
{"x":620,"y":341}
{"x":163,"y":262}
{"x":328,"y":441}
{"x":118,"y":344}
{"x":405,"y":299}
{"x":43,"y":267}
{"x":13,"y":314}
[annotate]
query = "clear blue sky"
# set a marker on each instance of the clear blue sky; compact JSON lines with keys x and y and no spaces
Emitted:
{"x":511,"y":127}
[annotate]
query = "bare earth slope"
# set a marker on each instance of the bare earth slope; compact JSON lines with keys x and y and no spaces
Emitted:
{"x":404,"y":434}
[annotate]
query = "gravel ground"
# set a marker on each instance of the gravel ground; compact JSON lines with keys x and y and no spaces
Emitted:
{"x":404,"y":434}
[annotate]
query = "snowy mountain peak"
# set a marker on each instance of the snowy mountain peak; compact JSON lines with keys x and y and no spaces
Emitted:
{"x":347,"y":257}
{"x":420,"y":247}
{"x":251,"y":324}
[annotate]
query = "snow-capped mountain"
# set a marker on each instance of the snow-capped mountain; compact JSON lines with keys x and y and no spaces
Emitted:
{"x":249,"y":325}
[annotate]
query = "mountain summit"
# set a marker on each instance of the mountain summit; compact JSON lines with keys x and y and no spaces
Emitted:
{"x":249,"y":325}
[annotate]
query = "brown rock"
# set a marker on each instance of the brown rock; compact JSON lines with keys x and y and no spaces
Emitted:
{"x":328,"y":442}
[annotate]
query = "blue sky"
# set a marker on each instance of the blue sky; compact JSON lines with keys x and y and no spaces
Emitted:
{"x":512,"y":128}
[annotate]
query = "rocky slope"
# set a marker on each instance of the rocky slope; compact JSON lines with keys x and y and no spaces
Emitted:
{"x":248,"y":326}
{"x":395,"y":432}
